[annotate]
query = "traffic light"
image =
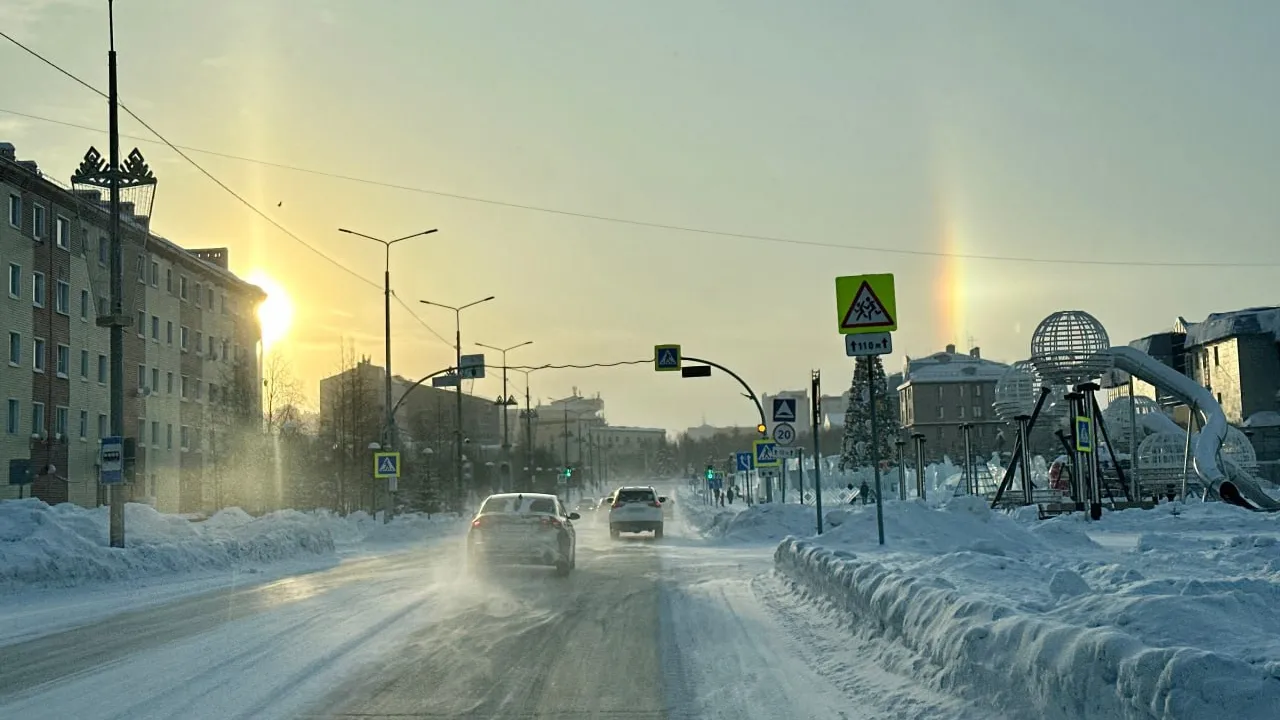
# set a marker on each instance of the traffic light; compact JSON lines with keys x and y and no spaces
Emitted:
{"x":762,"y":428}
{"x":711,"y":472}
{"x":568,"y":472}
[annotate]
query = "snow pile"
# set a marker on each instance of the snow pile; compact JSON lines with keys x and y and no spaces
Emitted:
{"x":1147,"y":614}
{"x":67,"y":545}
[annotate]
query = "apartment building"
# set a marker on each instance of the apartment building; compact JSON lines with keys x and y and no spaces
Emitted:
{"x":194,"y":331}
{"x":943,"y":391}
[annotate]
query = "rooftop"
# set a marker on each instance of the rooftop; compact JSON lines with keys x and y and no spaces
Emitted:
{"x":951,"y":366}
{"x":1220,"y":326}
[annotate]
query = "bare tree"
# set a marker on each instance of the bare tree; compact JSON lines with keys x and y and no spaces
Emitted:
{"x":349,"y":421}
{"x":281,"y":393}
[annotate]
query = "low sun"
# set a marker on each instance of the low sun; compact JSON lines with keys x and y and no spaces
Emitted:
{"x":275,"y":313}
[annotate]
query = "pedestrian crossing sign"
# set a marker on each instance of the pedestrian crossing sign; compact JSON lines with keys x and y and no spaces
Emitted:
{"x":386,"y":465}
{"x":766,"y":452}
{"x":666,"y":358}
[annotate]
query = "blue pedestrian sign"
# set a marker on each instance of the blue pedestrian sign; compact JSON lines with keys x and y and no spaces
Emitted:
{"x":386,"y":465}
{"x":111,"y":461}
{"x":1084,"y":434}
{"x":715,"y":483}
{"x":784,"y":410}
{"x":666,"y":358}
{"x":744,"y":461}
{"x":766,"y":454}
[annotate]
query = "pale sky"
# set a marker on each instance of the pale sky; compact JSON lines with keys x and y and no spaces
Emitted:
{"x":1133,"y":131}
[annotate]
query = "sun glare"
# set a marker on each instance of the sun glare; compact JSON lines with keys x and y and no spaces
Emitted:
{"x":276,"y":312}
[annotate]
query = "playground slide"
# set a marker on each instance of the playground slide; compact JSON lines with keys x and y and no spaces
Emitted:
{"x":1239,"y":488}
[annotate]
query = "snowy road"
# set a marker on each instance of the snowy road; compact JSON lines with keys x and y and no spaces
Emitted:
{"x":678,"y":628}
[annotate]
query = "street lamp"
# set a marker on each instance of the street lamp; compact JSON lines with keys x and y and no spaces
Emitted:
{"x":506,"y":400}
{"x":389,"y":431}
{"x":457,"y":369}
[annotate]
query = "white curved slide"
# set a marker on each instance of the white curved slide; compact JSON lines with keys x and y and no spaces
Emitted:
{"x":1239,"y":488}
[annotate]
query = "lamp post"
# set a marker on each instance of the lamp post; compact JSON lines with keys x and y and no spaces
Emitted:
{"x":389,"y":433}
{"x":111,"y":176}
{"x":529,"y":416}
{"x":506,"y":400}
{"x":457,"y":368}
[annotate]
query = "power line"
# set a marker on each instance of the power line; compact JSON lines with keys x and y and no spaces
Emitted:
{"x":666,"y":226}
{"x":225,"y":187}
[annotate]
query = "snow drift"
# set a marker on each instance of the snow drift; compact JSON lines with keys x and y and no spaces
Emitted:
{"x":66,"y":545}
{"x":1041,"y":621}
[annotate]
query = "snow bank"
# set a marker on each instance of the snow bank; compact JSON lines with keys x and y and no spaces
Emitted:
{"x":67,"y":545}
{"x":1144,"y":615}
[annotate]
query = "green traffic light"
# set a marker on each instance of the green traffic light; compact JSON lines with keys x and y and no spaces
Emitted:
{"x":711,"y":473}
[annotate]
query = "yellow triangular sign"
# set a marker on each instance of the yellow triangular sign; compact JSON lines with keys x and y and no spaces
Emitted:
{"x":866,"y":310}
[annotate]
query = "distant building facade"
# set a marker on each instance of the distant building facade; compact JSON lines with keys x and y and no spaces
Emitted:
{"x":943,"y":391}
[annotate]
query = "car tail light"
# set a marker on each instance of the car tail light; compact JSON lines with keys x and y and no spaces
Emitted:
{"x":478,"y":522}
{"x":656,"y":504}
{"x":617,"y":505}
{"x":550,"y":522}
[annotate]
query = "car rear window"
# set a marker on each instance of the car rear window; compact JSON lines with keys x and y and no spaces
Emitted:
{"x":512,"y":504}
{"x":631,"y":496}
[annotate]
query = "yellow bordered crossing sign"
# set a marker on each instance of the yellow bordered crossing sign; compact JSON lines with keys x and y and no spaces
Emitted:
{"x":866,"y":304}
{"x":666,"y":358}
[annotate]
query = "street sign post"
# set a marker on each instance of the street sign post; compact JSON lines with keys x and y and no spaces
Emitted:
{"x":784,"y":410}
{"x":866,"y":304}
{"x":666,"y":358}
{"x":471,"y":367}
{"x":766,"y":453}
{"x":880,"y":343}
{"x":744,"y":461}
{"x":450,"y":380}
{"x":784,"y":433}
{"x":111,"y":461}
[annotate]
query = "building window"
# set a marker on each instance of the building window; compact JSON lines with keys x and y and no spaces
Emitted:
{"x":184,"y":437}
{"x":104,"y":307}
{"x":102,"y":369}
{"x":37,"y":355}
{"x":155,"y":328}
{"x":213,"y":348}
{"x":155,"y":433}
{"x":15,"y":281}
{"x":15,"y":211}
{"x":37,"y":289}
{"x":168,"y":280}
{"x":37,"y":418}
{"x":182,"y":287}
{"x":213,"y":393}
{"x":199,"y":342}
{"x":168,"y":383}
{"x":977,"y":391}
{"x":209,"y":294}
{"x":182,"y":338}
{"x":141,"y":322}
{"x":963,"y":390}
{"x":184,"y":387}
{"x":15,"y":349}
{"x":977,"y":411}
{"x":942,"y":414}
{"x":1215,"y":356}
{"x":198,"y":295}
{"x":199,"y":389}
{"x":960,"y":409}
{"x":63,"y":364}
{"x":102,"y":425}
{"x":142,"y":431}
{"x":37,"y":222}
{"x":12,"y":420}
{"x":84,"y":424}
{"x":62,"y":232}
{"x":155,"y":380}
{"x":168,"y":332}
{"x":1219,"y":398}
{"x":142,"y":269}
{"x":168,"y":436}
{"x":223,"y":299}
{"x":142,"y":376}
{"x":60,"y":420}
{"x":155,"y":274}
{"x":84,"y":304}
{"x":62,"y":297}
{"x":224,"y":350}
{"x":84,"y":364}
{"x":104,"y":251}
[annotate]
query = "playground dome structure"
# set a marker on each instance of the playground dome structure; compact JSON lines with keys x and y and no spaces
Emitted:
{"x":1070,"y":347}
{"x":1117,"y":416}
{"x":1016,"y":390}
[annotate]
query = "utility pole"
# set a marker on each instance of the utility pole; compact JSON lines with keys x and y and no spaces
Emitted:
{"x":506,"y":400}
{"x":457,"y":348}
{"x":109,"y":175}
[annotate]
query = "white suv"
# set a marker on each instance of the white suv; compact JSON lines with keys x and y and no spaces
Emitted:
{"x":635,"y":510}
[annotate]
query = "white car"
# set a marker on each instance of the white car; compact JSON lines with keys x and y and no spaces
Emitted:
{"x":523,"y":529}
{"x":636,"y":510}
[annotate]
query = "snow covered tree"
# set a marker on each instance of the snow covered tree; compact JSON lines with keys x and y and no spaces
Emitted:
{"x":856,"y":446}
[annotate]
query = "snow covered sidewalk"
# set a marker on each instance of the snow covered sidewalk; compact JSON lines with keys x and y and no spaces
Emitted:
{"x":43,"y":546}
{"x":1146,"y":614}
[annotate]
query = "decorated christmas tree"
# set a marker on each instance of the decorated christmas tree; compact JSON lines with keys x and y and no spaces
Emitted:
{"x":856,"y":446}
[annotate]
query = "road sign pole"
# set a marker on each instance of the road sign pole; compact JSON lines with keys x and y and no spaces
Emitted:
{"x":815,"y":391}
{"x":875,"y":459}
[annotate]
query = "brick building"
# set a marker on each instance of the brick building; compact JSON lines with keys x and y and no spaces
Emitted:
{"x":195,"y":331}
{"x":941,"y":392}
